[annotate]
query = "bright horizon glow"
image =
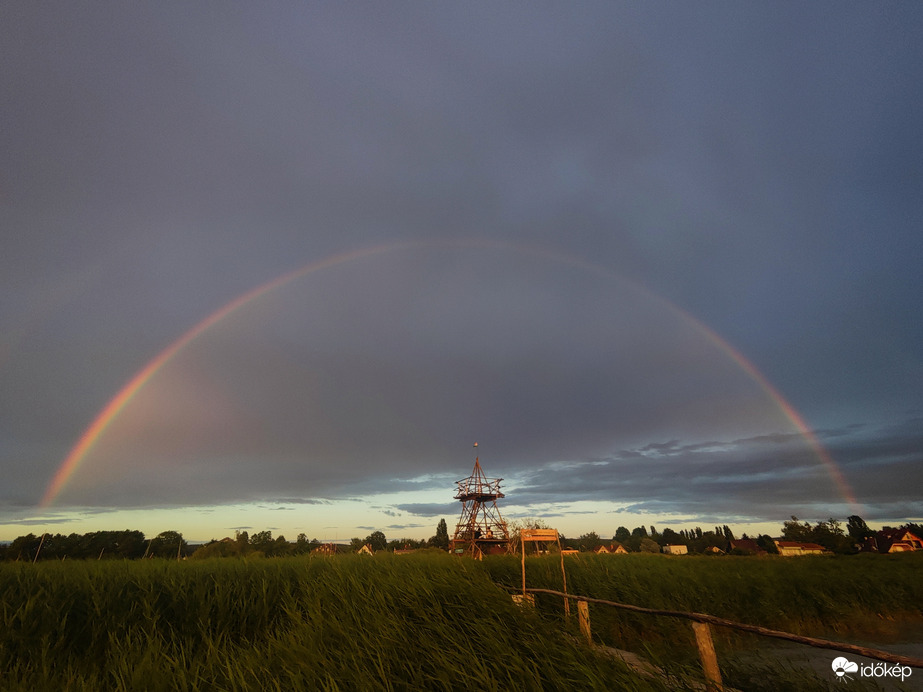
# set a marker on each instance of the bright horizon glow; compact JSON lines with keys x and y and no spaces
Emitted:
{"x":342,"y":520}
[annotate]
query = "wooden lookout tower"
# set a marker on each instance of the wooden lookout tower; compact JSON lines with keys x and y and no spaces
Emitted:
{"x":480,"y":529}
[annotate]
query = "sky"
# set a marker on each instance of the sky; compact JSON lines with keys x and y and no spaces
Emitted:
{"x":279,"y":266}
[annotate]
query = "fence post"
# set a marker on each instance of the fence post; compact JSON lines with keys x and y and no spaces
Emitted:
{"x":564,"y":580}
{"x":583,"y":611}
{"x":709,"y":658}
{"x":522,"y":545}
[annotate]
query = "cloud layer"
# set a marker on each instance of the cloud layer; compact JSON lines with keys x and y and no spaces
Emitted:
{"x":758,"y":170}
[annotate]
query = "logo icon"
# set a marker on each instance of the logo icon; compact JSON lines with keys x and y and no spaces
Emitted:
{"x":841,"y":666}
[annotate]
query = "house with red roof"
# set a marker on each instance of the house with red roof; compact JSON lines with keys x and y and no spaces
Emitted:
{"x":893,"y":541}
{"x":796,"y":548}
{"x":747,"y":546}
{"x":613,"y":548}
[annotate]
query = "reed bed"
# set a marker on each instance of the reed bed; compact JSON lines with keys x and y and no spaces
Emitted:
{"x":802,"y":595}
{"x":346,"y":623}
{"x":425,"y":621}
{"x":865,"y":599}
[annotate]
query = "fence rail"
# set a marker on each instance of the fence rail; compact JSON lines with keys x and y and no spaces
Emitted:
{"x":763,"y":631}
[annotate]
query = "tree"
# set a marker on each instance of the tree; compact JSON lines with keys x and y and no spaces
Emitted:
{"x":700,"y":541}
{"x":670,"y":537}
{"x":857,"y":529}
{"x":649,"y":546}
{"x":377,"y":541}
{"x":406,"y":544}
{"x":767,"y":544}
{"x":217,"y":549}
{"x":441,"y":539}
{"x":243,"y":540}
{"x":129,"y":544}
{"x":169,"y":544}
{"x":621,"y":534}
{"x":830,"y":535}
{"x":589,"y":541}
{"x":795,"y":531}
{"x":262,"y":541}
{"x":24,"y":547}
{"x":303,"y":545}
{"x":279,"y":547}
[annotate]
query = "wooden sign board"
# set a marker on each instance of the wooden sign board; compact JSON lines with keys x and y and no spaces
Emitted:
{"x":539,"y":534}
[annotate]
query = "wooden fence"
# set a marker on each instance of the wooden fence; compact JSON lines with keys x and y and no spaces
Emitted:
{"x":700,"y":626}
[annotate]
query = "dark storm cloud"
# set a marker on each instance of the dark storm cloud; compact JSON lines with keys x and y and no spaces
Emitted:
{"x":750,"y":479}
{"x":39,"y":521}
{"x":759,"y":169}
{"x":300,"y":501}
{"x":429,"y":509}
{"x":391,"y":527}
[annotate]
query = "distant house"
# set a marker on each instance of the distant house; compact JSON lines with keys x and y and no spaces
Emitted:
{"x":746,"y":545}
{"x":612,"y":549}
{"x":893,"y":541}
{"x":327,"y":549}
{"x":365,"y":550}
{"x":796,"y":548}
{"x":714,"y":550}
{"x":405,"y":550}
{"x":675,"y":549}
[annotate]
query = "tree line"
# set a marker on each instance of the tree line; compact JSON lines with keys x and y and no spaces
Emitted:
{"x":132,"y":545}
{"x":96,"y":545}
{"x":830,"y":534}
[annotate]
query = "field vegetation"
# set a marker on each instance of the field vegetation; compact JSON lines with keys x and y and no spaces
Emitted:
{"x":866,"y":599}
{"x":423,"y":621}
{"x":343,"y":623}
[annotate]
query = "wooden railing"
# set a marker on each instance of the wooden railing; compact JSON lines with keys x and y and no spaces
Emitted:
{"x":700,"y":626}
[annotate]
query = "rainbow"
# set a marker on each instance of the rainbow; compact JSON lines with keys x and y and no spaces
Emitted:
{"x":114,"y":407}
{"x":842,"y":485}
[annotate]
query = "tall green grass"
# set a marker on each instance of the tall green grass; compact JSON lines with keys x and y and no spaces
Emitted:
{"x":349,"y":623}
{"x":866,"y":599}
{"x":425,"y":621}
{"x":827,"y":594}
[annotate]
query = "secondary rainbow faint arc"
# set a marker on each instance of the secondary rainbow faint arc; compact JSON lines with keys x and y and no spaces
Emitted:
{"x":111,"y":411}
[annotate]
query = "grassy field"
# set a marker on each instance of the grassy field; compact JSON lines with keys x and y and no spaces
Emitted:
{"x":426,"y":621}
{"x":875,"y":600}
